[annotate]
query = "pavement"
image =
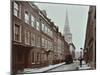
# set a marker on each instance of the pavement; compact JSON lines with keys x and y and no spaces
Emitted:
{"x":84,"y":66}
{"x":66,"y":67}
{"x":39,"y":70}
{"x":58,"y":67}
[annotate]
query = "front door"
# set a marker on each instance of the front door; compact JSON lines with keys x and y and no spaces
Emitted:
{"x":26,"y":57}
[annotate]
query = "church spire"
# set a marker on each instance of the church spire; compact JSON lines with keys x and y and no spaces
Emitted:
{"x":67,"y":34}
{"x":66,"y":23}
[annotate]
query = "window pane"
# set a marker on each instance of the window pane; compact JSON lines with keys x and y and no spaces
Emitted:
{"x":33,"y":57}
{"x":32,"y":21}
{"x":42,"y":42}
{"x":38,"y":26}
{"x":17,"y":32}
{"x":27,"y":37}
{"x":38,"y":41}
{"x":50,"y":33}
{"x":16,"y":9}
{"x":46,"y":43}
{"x":26,"y":17}
{"x":15,"y":13}
{"x":33,"y":39}
{"x":16,"y":29}
{"x":15,"y":5}
{"x":38,"y":57}
{"x":43,"y":27}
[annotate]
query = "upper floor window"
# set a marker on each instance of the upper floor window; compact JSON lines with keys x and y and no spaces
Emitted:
{"x":27,"y":37}
{"x":46,"y":29}
{"x":43,"y":27}
{"x":32,"y":39}
{"x":46,"y":43}
{"x":38,"y":41}
{"x":51,"y":45}
{"x":32,"y":21}
{"x":51,"y":33}
{"x":26,"y":17}
{"x":17,"y":32}
{"x":43,"y":42}
{"x":16,"y":9}
{"x":59,"y":44}
{"x":37,"y":25}
{"x":55,"y":40}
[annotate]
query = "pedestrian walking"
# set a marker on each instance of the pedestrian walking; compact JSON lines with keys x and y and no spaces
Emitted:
{"x":80,"y":59}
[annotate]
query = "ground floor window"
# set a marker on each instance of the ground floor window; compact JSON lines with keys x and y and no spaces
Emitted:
{"x":38,"y":57}
{"x":33,"y":58}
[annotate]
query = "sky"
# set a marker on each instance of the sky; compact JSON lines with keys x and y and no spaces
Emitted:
{"x":77,"y":16}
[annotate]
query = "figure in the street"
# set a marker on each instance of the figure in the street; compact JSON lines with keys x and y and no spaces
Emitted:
{"x":80,"y":59}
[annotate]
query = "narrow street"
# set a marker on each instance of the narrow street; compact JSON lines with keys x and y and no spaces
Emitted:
{"x":66,"y":67}
{"x":41,"y":43}
{"x":57,"y":68}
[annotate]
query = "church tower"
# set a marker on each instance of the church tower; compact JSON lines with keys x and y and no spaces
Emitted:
{"x":67,"y":34}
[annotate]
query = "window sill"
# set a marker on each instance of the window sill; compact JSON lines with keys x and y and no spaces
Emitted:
{"x":17,"y":40}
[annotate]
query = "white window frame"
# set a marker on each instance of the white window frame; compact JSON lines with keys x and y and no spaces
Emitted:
{"x":33,"y":61}
{"x":27,"y":37}
{"x":51,"y":33}
{"x":46,"y":43}
{"x":37,"y":25}
{"x":32,"y":41}
{"x":33,"y":21}
{"x":26,"y":17}
{"x":38,"y":41}
{"x":19,"y":33}
{"x":43,"y":27}
{"x":43,"y":42}
{"x":46,"y":29}
{"x":51,"y":45}
{"x":17,"y":9}
{"x":38,"y":57}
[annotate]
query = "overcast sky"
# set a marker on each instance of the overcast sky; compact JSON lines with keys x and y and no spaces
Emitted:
{"x":77,"y":15}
